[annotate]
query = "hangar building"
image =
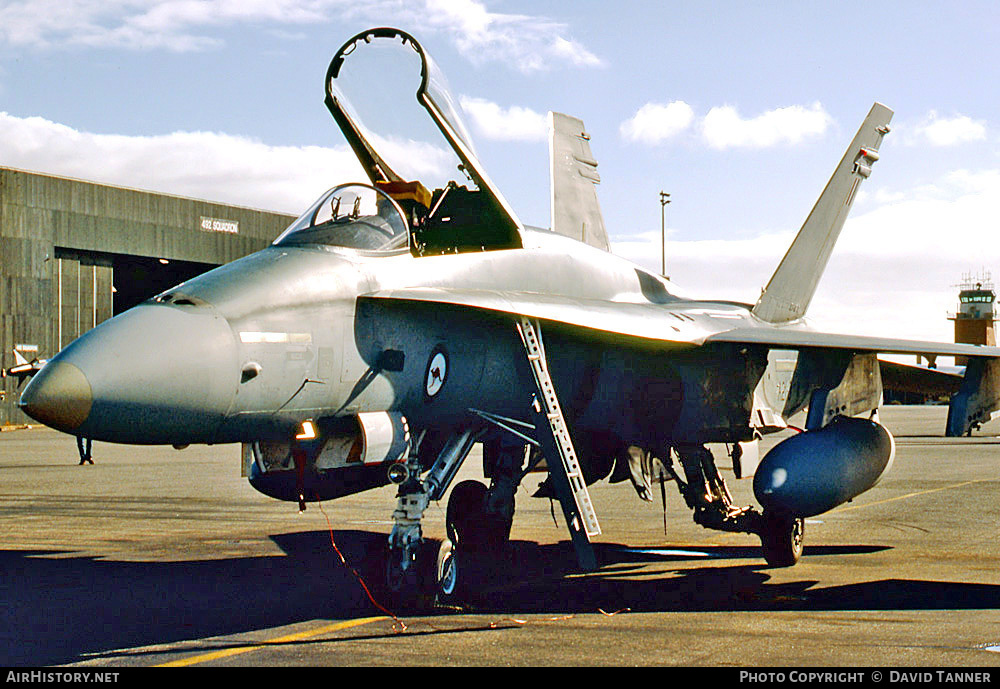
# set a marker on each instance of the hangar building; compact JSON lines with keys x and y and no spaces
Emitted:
{"x":75,"y":253}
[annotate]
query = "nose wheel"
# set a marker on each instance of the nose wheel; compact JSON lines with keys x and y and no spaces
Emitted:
{"x":409,"y":578}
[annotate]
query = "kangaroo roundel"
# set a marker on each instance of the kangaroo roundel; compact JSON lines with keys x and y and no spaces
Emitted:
{"x":437,"y":371}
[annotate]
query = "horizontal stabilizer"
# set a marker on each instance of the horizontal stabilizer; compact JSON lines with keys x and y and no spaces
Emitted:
{"x":978,"y":400}
{"x":919,"y":379}
{"x":793,"y":284}
{"x":576,"y":212}
{"x":801,"y":337}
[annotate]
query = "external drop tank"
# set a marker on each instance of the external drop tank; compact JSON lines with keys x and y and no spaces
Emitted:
{"x":814,"y":471}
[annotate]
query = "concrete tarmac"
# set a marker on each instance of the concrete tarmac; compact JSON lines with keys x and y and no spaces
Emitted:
{"x":154,"y":556}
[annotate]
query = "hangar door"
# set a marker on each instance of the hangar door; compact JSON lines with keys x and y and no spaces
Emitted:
{"x":83,"y":293}
{"x":91,"y":287}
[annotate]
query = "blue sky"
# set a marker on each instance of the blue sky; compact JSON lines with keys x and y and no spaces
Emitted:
{"x":739,"y":109}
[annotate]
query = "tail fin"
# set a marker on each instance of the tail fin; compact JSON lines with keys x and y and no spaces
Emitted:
{"x":19,"y":359}
{"x":791,"y":288}
{"x":574,"y":179}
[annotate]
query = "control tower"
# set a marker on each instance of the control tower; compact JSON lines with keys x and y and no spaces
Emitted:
{"x":976,"y":312}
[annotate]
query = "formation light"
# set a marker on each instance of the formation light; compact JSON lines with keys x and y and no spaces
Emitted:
{"x":307,"y":431}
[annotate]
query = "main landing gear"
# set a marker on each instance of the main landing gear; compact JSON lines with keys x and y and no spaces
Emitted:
{"x":781,"y":537}
{"x":477,"y":540}
{"x":705,"y":492}
{"x":478,"y":522}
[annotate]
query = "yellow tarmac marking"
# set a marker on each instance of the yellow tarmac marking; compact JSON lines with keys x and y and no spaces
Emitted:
{"x":298,"y":636}
{"x":911,"y":495}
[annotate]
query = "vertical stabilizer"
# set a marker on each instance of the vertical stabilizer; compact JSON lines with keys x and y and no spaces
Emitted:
{"x":574,"y":179}
{"x":791,"y":288}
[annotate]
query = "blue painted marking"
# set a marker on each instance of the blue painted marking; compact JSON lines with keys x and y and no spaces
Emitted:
{"x":666,"y":551}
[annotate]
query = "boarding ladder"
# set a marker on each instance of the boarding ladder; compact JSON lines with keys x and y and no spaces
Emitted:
{"x":556,"y":442}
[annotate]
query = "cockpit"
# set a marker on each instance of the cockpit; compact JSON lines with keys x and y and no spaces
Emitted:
{"x":351,"y":216}
{"x":397,"y":211}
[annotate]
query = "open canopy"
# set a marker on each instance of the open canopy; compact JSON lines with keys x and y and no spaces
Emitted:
{"x":449,"y":201}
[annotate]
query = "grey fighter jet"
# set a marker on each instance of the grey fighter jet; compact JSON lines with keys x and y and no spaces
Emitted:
{"x":399,"y":322}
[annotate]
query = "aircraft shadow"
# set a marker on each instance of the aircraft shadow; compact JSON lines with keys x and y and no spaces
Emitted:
{"x":545,"y":584}
{"x":65,"y":609}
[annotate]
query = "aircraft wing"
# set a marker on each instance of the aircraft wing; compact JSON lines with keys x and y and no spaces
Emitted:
{"x":640,"y":320}
{"x":686,"y":324}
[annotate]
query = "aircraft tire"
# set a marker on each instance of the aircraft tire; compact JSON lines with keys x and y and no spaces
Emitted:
{"x":414,"y":589}
{"x":450,"y":577}
{"x":460,"y":573}
{"x":465,"y":517}
{"x":782,"y":539}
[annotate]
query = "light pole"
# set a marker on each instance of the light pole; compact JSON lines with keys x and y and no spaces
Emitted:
{"x":664,"y":200}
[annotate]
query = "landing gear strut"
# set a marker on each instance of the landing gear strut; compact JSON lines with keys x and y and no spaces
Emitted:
{"x":410,"y":572}
{"x":406,"y":575}
{"x":705,"y":492}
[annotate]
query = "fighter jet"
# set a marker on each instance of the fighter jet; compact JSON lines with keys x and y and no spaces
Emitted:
{"x":399,"y":322}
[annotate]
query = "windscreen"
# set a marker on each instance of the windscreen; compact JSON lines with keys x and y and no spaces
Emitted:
{"x":352,"y":216}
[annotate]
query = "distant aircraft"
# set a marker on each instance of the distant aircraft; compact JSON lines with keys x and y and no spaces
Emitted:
{"x":23,"y":368}
{"x":390,"y":328}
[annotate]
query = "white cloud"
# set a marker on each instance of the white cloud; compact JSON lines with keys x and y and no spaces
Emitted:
{"x":892,"y":273}
{"x":505,"y":124}
{"x":161,"y":24}
{"x":207,"y":165}
{"x":573,"y":52}
{"x":946,"y":131}
{"x":723,"y":127}
{"x":414,"y":159}
{"x":654,"y":123}
{"x":528,"y":43}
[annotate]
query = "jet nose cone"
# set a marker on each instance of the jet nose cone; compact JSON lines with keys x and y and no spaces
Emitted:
{"x":59,"y":396}
{"x":155,"y":374}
